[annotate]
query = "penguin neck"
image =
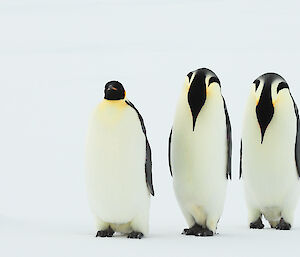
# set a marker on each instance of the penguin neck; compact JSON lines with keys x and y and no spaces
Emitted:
{"x":113,"y":104}
{"x":265,"y":109}
{"x":196,"y":99}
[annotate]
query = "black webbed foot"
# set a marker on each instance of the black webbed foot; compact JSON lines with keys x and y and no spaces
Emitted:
{"x":195,"y":230}
{"x":282,"y":225}
{"x":257,"y":224}
{"x":206,"y":232}
{"x":105,"y":233}
{"x":134,"y":234}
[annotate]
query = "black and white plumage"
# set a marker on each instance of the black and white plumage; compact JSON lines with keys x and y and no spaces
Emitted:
{"x":119,"y":166}
{"x":270,"y":153}
{"x":200,"y":152}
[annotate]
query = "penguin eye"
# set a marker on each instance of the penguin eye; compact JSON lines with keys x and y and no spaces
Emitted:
{"x":256,"y":82}
{"x":190,"y":76}
{"x":214,"y":79}
{"x":282,"y":85}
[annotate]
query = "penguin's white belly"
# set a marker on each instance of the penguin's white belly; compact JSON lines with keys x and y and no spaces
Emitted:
{"x":198,"y":160}
{"x":116,"y":151}
{"x":269,"y":169}
{"x":268,"y":180}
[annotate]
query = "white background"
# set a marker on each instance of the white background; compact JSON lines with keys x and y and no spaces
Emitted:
{"x":55,"y":58}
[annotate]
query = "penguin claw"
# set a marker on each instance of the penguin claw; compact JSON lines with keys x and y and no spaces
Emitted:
{"x":282,"y":225}
{"x":134,"y":234}
{"x":257,"y":224}
{"x":105,"y":233}
{"x":185,"y":230}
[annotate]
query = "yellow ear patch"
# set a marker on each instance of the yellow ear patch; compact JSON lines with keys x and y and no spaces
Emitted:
{"x":213,"y":89}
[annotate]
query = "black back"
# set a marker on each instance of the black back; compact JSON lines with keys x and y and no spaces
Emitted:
{"x":148,"y":161}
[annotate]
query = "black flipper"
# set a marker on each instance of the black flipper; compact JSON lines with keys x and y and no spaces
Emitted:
{"x":169,"y":152}
{"x":297,"y":145}
{"x":148,"y":162}
{"x":241,"y":156}
{"x":229,"y":142}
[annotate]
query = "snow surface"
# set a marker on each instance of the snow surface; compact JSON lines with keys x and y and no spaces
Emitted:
{"x":56,"y":56}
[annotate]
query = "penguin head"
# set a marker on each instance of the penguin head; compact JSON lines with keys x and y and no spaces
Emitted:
{"x":199,"y":82}
{"x":269,"y":88}
{"x":114,"y":90}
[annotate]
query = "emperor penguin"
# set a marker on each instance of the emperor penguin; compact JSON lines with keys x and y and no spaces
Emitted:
{"x":119,"y":166}
{"x":270,"y":153}
{"x":200,"y":152}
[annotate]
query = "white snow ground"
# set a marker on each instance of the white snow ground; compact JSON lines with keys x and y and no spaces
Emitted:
{"x":56,"y":56}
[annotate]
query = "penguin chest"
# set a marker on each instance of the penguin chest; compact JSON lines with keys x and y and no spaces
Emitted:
{"x":269,"y":167}
{"x":116,"y":152}
{"x":198,"y":157}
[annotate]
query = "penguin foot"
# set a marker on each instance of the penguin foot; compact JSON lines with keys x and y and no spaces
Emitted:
{"x":206,"y":232}
{"x":257,"y":224}
{"x":135,"y":234}
{"x":282,"y":225}
{"x":195,"y":230}
{"x":105,"y":233}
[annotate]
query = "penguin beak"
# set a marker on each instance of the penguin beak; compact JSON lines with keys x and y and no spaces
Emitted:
{"x":265,"y":110}
{"x":197,"y":97}
{"x":111,"y":87}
